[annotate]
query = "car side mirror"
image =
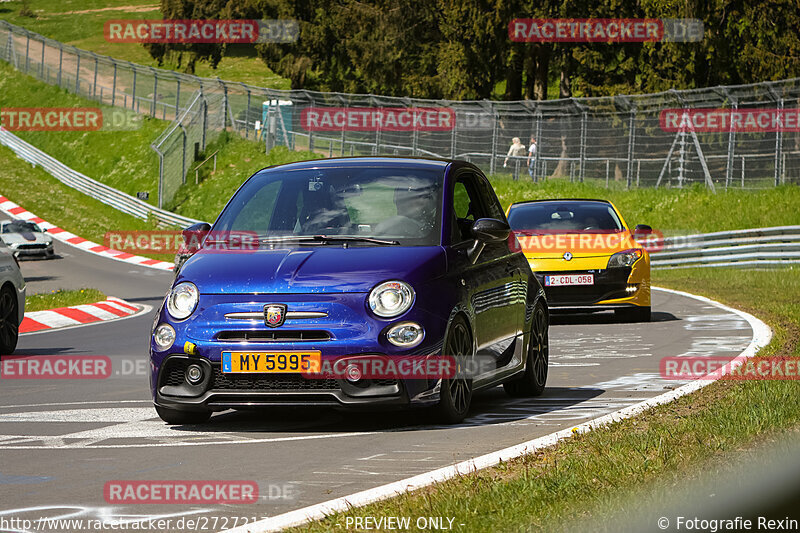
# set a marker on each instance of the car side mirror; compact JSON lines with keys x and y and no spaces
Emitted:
{"x":487,"y":231}
{"x":193,"y":236}
{"x":642,"y":228}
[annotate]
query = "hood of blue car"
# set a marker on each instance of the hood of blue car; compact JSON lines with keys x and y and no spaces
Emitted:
{"x":318,"y":269}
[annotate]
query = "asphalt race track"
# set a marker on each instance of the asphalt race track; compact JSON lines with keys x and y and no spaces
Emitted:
{"x":62,"y":440}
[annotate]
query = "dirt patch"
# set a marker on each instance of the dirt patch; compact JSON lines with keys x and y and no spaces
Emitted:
{"x":128,"y":9}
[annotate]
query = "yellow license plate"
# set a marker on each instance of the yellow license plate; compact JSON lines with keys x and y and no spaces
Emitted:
{"x":271,"y":362}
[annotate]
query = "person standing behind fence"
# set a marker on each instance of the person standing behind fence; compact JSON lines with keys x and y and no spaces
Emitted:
{"x":532,"y":159}
{"x":517,"y":150}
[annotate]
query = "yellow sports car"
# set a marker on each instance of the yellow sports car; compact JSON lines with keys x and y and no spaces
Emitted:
{"x":584,"y":255}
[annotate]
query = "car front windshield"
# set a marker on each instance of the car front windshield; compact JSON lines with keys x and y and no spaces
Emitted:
{"x":356,"y":204}
{"x":564,"y":217}
{"x":21,"y":227}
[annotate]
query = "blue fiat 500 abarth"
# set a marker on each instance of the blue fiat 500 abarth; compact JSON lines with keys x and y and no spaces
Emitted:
{"x":384,"y":259}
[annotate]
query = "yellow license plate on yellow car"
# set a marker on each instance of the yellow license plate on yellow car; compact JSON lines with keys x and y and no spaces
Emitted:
{"x":271,"y":362}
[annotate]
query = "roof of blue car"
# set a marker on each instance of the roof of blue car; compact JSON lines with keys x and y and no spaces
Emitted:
{"x":341,"y":162}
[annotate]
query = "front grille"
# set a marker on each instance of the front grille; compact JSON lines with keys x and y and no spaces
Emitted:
{"x":608,"y":284}
{"x":285,"y":382}
{"x":31,"y":246}
{"x":174,"y":372}
{"x":278,"y":335}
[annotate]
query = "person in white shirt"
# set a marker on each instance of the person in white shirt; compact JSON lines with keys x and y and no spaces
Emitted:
{"x":532,"y":158}
{"x":517,"y":149}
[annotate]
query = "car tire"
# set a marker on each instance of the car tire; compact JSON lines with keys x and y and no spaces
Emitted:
{"x":9,"y":325}
{"x":176,"y":417}
{"x":533,"y":381}
{"x":634,"y":314}
{"x":456,"y":392}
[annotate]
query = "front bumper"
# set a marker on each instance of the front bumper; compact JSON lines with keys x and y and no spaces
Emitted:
{"x":613,"y":288}
{"x":219,"y":391}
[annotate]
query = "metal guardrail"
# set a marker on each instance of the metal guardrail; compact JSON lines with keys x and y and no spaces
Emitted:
{"x":775,"y":246}
{"x":99,"y":191}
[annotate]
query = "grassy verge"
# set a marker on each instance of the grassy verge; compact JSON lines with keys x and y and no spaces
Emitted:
{"x":121,"y":159}
{"x":603,"y":472}
{"x":694,"y":209}
{"x":80,"y":23}
{"x":237,"y":160}
{"x":62,"y":298}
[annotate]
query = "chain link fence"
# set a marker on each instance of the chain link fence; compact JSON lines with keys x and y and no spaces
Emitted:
{"x":610,"y":140}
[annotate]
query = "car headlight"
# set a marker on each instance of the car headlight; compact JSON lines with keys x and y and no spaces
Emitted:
{"x":182,"y":300}
{"x":391,"y":298}
{"x":164,"y":336}
{"x":624,"y":259}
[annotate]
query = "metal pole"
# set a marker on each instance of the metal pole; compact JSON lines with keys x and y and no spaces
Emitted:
{"x":583,"y":144}
{"x":453,"y":135}
{"x":78,"y":75}
{"x":60,"y":58}
{"x":742,"y":172}
{"x":27,"y":50}
{"x":538,"y":145}
{"x":247,"y":114}
{"x":607,"y":169}
{"x":494,"y":140}
{"x":160,"y":179}
{"x":41,"y":65}
{"x":114,"y":86}
{"x":155,"y":94}
{"x":178,"y":98}
{"x":631,"y":137}
{"x":133,"y":98}
{"x":731,"y":148}
{"x":94,"y":83}
{"x":779,"y":144}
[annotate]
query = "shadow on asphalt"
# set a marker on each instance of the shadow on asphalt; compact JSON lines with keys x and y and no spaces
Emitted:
{"x":489,"y":407}
{"x":604,"y":317}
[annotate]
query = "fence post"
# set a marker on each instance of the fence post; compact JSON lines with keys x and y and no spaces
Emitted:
{"x":41,"y":65}
{"x":414,"y":140}
{"x":78,"y":75}
{"x":779,"y":145}
{"x":631,"y":145}
{"x":160,"y":178}
{"x":583,"y":145}
{"x":224,"y":103}
{"x":731,"y":148}
{"x":155,"y":93}
{"x":538,"y":145}
{"x":454,"y":135}
{"x":60,"y":59}
{"x":133,"y":97}
{"x":247,"y":114}
{"x":177,"y":97}
{"x":27,"y":51}
{"x":205,"y":118}
{"x":114,"y":86}
{"x":492,"y":162}
{"x":94,"y":83}
{"x":183,"y":158}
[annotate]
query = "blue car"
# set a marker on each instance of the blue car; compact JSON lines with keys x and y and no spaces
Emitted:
{"x":351,"y":260}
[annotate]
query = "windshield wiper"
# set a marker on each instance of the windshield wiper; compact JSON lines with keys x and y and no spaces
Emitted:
{"x":322,"y":239}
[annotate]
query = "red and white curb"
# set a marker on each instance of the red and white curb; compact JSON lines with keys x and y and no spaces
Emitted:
{"x":76,"y":315}
{"x":10,"y":208}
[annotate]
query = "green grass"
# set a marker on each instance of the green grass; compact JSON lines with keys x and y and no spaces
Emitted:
{"x":39,"y":192}
{"x":607,"y":471}
{"x":237,"y":160}
{"x":62,"y":298}
{"x":85,"y":30}
{"x":694,"y":209}
{"x":121,"y":159}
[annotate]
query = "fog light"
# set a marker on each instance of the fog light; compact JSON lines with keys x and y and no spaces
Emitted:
{"x":405,"y":334}
{"x":630,"y":289}
{"x":194,"y":374}
{"x":352,"y":373}
{"x":164,"y":336}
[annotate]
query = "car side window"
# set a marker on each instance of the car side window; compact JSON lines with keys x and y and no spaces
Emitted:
{"x":493,"y":207}
{"x":467,"y":208}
